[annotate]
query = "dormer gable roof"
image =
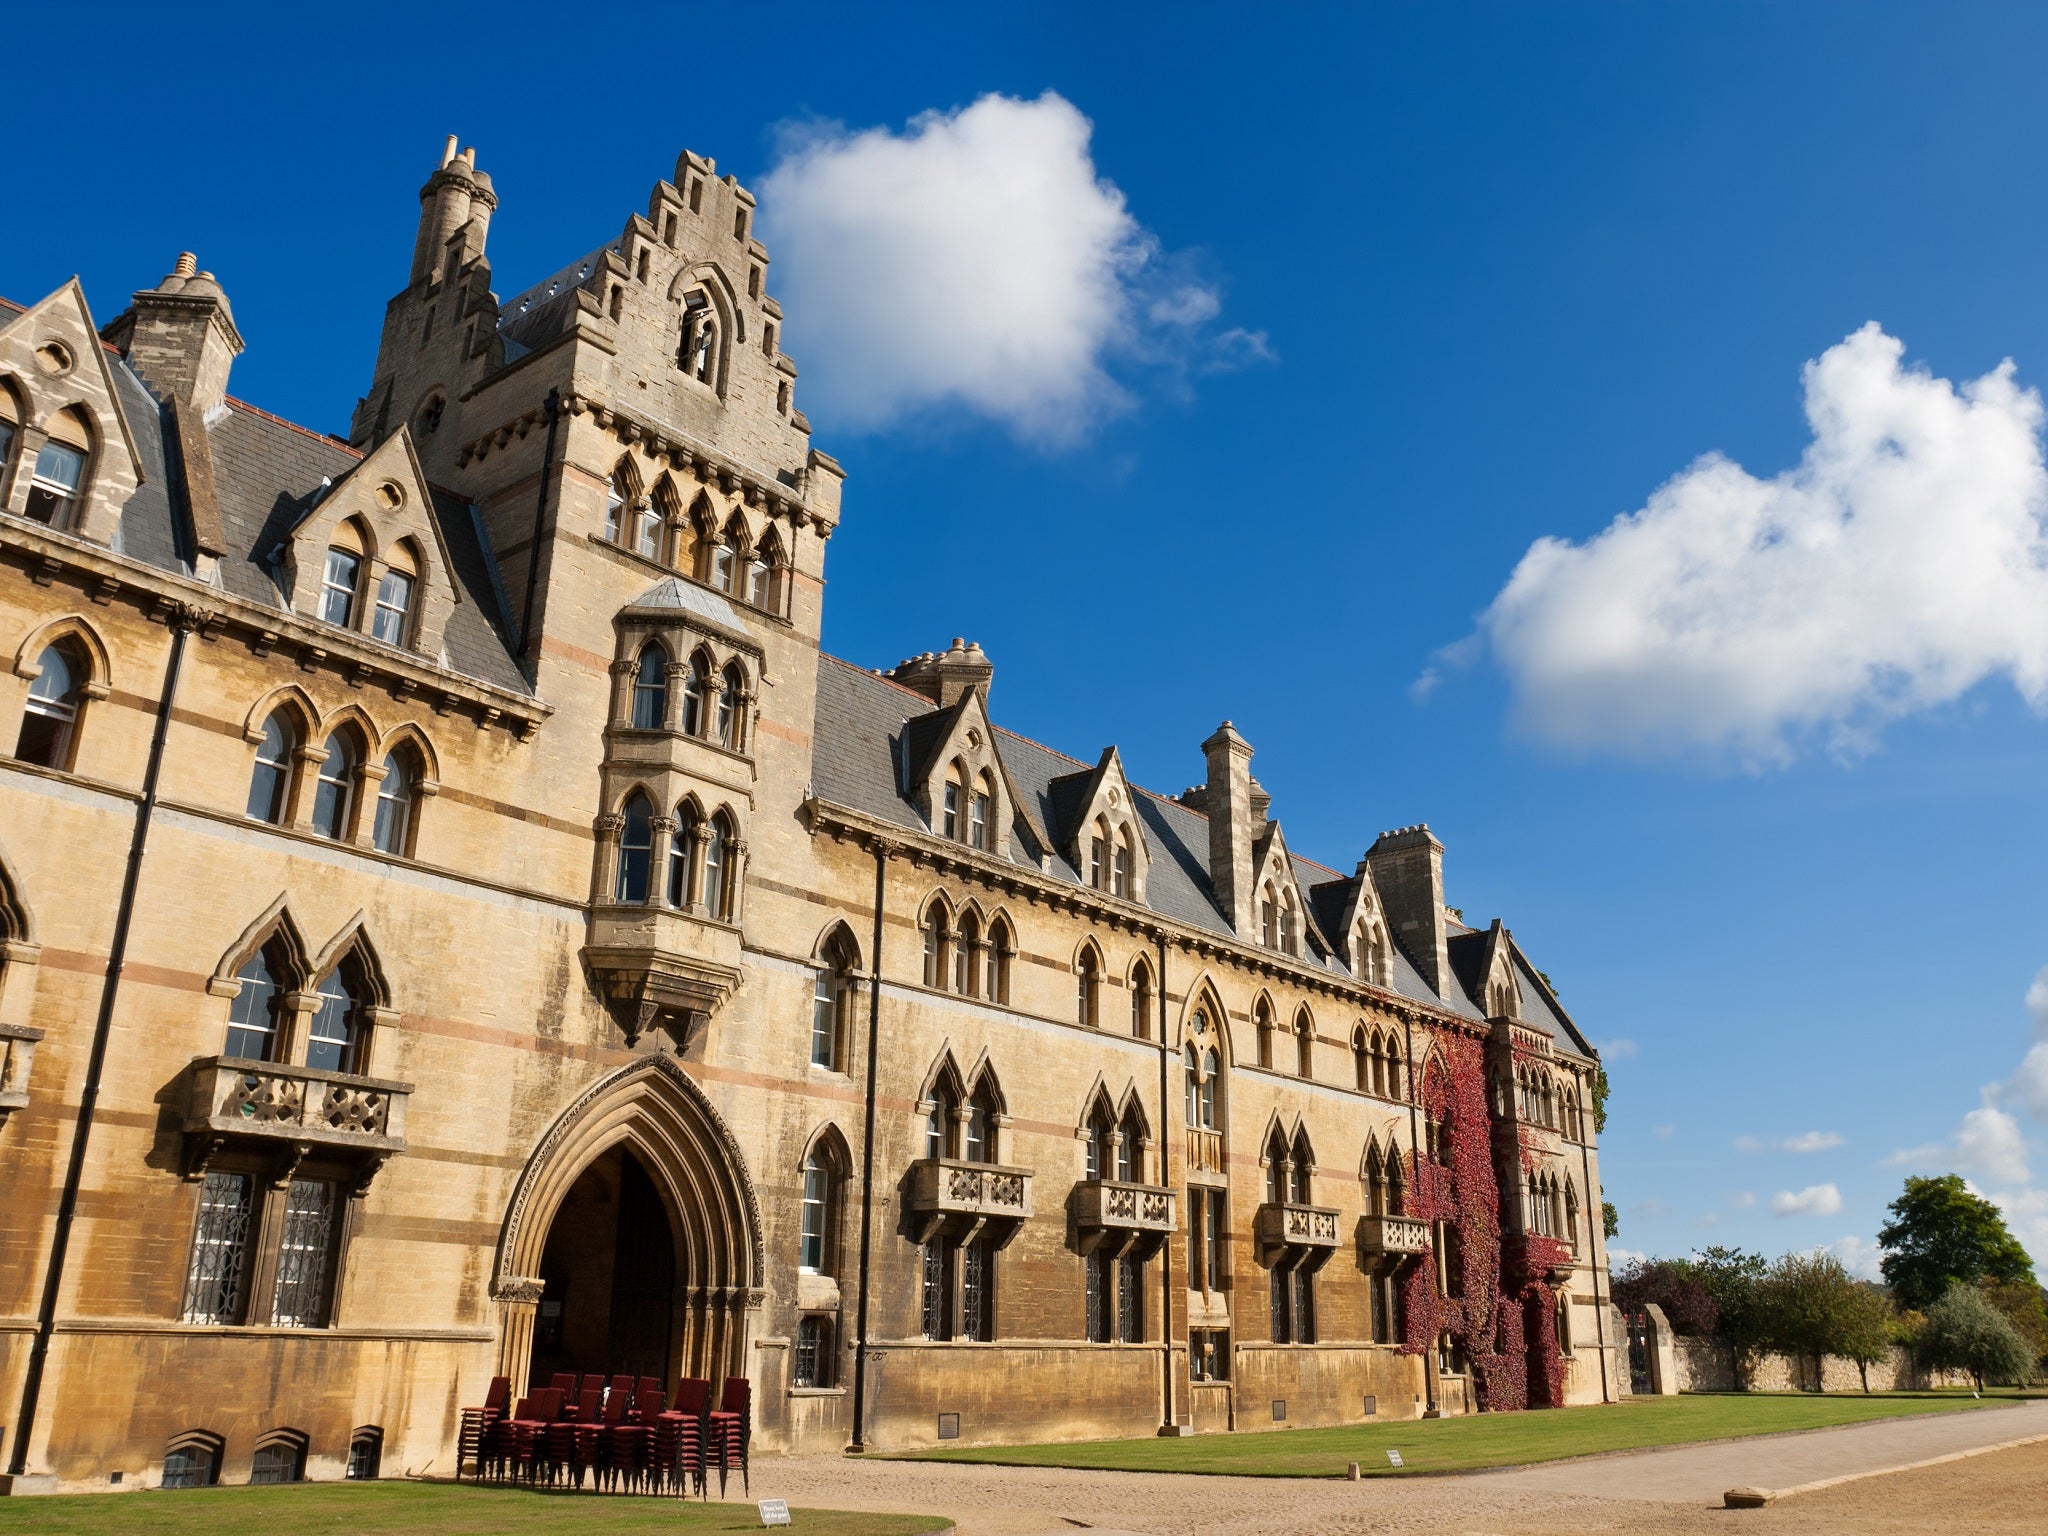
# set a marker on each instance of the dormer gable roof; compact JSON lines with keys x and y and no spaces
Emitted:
{"x":53,"y":358}
{"x":932,"y":740}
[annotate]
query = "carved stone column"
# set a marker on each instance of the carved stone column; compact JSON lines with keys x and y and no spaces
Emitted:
{"x":518,"y":1300}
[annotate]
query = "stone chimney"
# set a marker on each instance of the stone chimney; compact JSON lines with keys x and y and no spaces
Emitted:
{"x":945,"y":678}
{"x":1407,"y":868}
{"x":455,"y":216}
{"x":181,"y":337}
{"x":1227,"y":798}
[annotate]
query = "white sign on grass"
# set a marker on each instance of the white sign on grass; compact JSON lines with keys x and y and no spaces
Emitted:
{"x":774,"y":1511}
{"x":1393,"y":1458}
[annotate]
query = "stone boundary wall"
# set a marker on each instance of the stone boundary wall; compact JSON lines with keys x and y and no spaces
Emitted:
{"x":1703,"y":1366}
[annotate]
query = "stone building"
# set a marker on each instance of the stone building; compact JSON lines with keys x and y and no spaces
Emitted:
{"x":456,"y":922}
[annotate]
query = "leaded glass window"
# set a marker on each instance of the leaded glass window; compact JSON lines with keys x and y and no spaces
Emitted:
{"x":305,"y":1255}
{"x":816,"y":1208}
{"x":1095,"y":1279}
{"x":825,"y":1019}
{"x":220,"y":1250}
{"x":338,"y":586}
{"x":330,"y":1046}
{"x":1130,"y":1301}
{"x":273,"y":776}
{"x":933,"y":1320}
{"x":813,"y":1363}
{"x":976,"y":1294}
{"x":337,"y":787}
{"x":252,"y":1016}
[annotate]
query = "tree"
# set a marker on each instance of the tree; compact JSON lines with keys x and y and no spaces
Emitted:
{"x":1610,"y":1219}
{"x":1866,"y":1329}
{"x":1599,"y":1099}
{"x":1670,"y":1285}
{"x":1940,"y":1236}
{"x":1732,"y":1278}
{"x":1964,"y":1332}
{"x":1805,"y":1306}
{"x":2025,"y":1307}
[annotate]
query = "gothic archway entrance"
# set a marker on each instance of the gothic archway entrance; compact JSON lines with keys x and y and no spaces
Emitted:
{"x":609,"y":1276}
{"x":635,"y":1214}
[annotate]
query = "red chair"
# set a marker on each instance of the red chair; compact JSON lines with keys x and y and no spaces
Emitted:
{"x":476,"y":1424}
{"x":573,"y":1437}
{"x":604,"y":1462}
{"x":530,"y":1452}
{"x":632,"y":1439}
{"x":680,"y":1436}
{"x":730,"y":1429}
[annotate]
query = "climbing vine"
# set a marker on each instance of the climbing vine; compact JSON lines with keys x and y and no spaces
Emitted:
{"x":1495,"y":1312}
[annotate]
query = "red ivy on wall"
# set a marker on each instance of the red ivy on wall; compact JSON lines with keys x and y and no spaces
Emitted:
{"x":1496,"y":1313}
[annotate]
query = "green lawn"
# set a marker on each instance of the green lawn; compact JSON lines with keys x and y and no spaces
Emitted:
{"x":357,"y":1509}
{"x":1483,"y":1440}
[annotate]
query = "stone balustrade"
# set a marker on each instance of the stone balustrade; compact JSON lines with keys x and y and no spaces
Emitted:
{"x":1392,"y":1236}
{"x":268,"y":1100}
{"x":1288,"y":1225}
{"x":1110,"y":1205}
{"x":946,"y":1186}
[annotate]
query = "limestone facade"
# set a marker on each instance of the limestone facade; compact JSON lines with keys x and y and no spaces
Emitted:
{"x":456,"y":923}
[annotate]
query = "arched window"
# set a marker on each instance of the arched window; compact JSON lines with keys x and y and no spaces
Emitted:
{"x":696,"y":683}
{"x":813,"y":1254}
{"x":365,"y":1453}
{"x":1211,"y":1070}
{"x":636,"y":851}
{"x":1393,"y":1055}
{"x":1302,"y":1170}
{"x":192,"y":1461}
{"x":252,"y":1016}
{"x":682,"y":854}
{"x":648,"y":528}
{"x":1361,"y":1060}
{"x":937,"y":946}
{"x":1000,"y":947}
{"x":939,"y":1124}
{"x":1098,"y":1161}
{"x":1269,"y":927}
{"x":339,"y":576}
{"x":1120,"y":873}
{"x":1262,"y":1022}
{"x":335,"y":794}
{"x":1090,"y":979}
{"x":727,"y":557}
{"x":953,"y":808}
{"x":699,"y":355}
{"x":616,"y":498}
{"x":280,"y":1458}
{"x":1192,"y":1077}
{"x":967,"y":955}
{"x":270,"y":784}
{"x":393,"y":616}
{"x":978,"y":1135}
{"x":732,"y":686}
{"x":55,"y":482}
{"x":1098,"y":855}
{"x":981,"y":814}
{"x":718,"y":869}
{"x":830,"y":998}
{"x":1141,"y":1002}
{"x":1375,"y":1182}
{"x":1571,"y":1215}
{"x":1289,"y":938}
{"x":760,"y":583}
{"x":10,"y":423}
{"x":1304,"y":1044}
{"x":1130,"y":1151}
{"x":650,"y":689}
{"x":49,"y":723}
{"x":398,"y":800}
{"x":333,"y":1042}
{"x":1278,"y":1184}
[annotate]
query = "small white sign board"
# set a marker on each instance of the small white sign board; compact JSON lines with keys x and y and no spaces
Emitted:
{"x":1393,"y":1458}
{"x":774,"y":1511}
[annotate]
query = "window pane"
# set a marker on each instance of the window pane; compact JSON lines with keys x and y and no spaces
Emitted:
{"x":714,"y":871}
{"x":636,"y":852}
{"x":188,"y":1467}
{"x":60,"y":467}
{"x":304,"y":1256}
{"x":1130,"y":1301}
{"x":331,"y":1047}
{"x":336,"y":789}
{"x":273,"y":771}
{"x":220,"y":1246}
{"x":338,"y":586}
{"x":50,"y":717}
{"x":394,"y":602}
{"x":650,"y":690}
{"x":252,"y":1023}
{"x":274,"y":1464}
{"x":976,"y":1302}
{"x":825,"y":1020}
{"x":817,"y":1185}
{"x":395,"y":799}
{"x":933,"y":1308}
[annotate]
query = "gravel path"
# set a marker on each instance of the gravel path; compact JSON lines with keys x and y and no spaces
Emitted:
{"x":1660,"y":1491}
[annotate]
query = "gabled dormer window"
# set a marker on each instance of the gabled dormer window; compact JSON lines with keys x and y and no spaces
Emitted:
{"x":54,"y":486}
{"x":980,"y":812}
{"x":338,"y":577}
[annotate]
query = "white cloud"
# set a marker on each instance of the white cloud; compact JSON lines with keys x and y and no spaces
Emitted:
{"x":1708,"y":1219}
{"x":977,"y":260}
{"x":1812,"y":1141}
{"x":1858,"y":1255}
{"x":1742,"y":1199}
{"x":1987,"y":1141}
{"x":1618,"y":1257}
{"x":1814,"y":1200}
{"x":1901,"y":562}
{"x":1748,"y":1144}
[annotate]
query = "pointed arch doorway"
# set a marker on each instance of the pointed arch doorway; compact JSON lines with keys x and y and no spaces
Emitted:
{"x":632,"y":1242}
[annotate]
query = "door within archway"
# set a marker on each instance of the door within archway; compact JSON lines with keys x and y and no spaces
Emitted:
{"x":609,"y":1267}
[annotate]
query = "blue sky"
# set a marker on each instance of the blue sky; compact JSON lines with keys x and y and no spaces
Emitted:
{"x":1383,"y":297}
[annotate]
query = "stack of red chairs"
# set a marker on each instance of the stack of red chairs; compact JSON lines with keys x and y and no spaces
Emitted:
{"x":476,"y":1425}
{"x":679,"y":1437}
{"x":731,"y":1426}
{"x":530,"y":1455}
{"x":572,"y":1439}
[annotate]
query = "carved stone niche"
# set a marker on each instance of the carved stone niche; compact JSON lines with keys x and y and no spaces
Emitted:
{"x":646,"y":989}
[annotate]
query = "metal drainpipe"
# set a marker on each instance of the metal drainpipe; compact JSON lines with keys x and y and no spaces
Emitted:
{"x":540,"y":510}
{"x":1592,"y":1249}
{"x":1415,"y":1151}
{"x":1166,"y":1248}
{"x":867,"y":1164}
{"x":182,"y":621}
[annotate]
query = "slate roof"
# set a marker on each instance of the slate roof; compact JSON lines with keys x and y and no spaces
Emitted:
{"x":871,"y":732}
{"x":267,"y":473}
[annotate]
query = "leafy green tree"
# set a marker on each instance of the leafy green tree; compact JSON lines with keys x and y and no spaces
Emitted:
{"x":1599,"y":1099}
{"x":1733,"y":1278}
{"x":1610,"y":1219}
{"x":1965,"y":1332}
{"x":1804,"y":1306}
{"x":1940,"y":1236}
{"x":1866,"y":1337}
{"x":2025,"y":1307}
